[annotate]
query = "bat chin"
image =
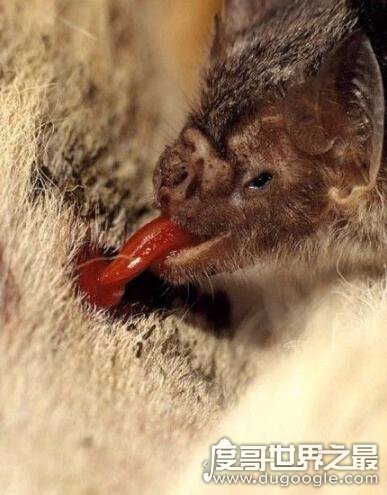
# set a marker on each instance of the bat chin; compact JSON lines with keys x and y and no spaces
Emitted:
{"x":196,"y":263}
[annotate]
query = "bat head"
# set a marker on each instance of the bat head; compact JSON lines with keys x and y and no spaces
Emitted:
{"x":259,"y":172}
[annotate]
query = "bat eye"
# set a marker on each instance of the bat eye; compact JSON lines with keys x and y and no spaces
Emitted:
{"x":260,"y":181}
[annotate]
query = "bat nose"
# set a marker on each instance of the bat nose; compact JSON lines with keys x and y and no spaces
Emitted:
{"x":177,"y":187}
{"x":191,"y":170}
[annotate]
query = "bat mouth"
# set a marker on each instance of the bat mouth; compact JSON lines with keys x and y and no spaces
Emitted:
{"x":168,"y":249}
{"x":192,"y":263}
{"x":161,"y":246}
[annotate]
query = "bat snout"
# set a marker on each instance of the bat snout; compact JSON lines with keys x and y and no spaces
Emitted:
{"x":191,"y":172}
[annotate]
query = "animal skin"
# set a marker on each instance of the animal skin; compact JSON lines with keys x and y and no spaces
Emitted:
{"x":90,"y":402}
{"x":95,"y":403}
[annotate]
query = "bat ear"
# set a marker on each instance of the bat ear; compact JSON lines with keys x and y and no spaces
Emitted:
{"x":235,"y":17}
{"x":342,"y":112}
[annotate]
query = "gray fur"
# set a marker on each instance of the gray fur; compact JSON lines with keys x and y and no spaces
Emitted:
{"x":295,"y":89}
{"x":285,"y":46}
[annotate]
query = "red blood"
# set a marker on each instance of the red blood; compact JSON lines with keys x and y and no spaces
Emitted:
{"x":151,"y":244}
{"x":103,"y":282}
{"x":90,"y":266}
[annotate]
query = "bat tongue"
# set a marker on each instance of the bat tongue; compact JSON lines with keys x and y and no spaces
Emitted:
{"x":149,"y":245}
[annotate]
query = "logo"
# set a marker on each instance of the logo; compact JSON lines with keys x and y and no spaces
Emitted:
{"x":309,"y":463}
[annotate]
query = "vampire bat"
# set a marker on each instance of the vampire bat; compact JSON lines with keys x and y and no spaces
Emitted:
{"x":282,"y":160}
